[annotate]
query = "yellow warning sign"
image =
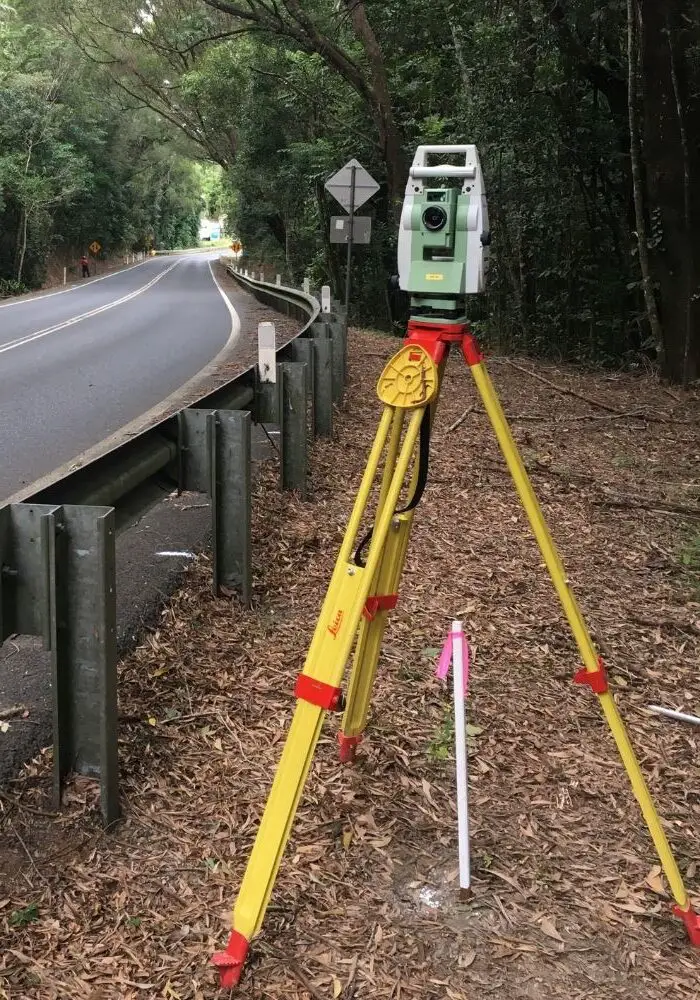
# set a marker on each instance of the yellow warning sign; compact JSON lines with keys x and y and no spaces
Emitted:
{"x":95,"y":247}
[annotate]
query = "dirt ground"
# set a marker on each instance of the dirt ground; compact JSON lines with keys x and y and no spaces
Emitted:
{"x":568,"y":901}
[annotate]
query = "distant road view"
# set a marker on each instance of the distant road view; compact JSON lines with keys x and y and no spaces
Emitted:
{"x":77,"y":365}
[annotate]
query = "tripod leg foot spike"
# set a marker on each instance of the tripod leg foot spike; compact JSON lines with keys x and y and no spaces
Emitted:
{"x":348,"y":745}
{"x":691,"y":919}
{"x":230,"y":962}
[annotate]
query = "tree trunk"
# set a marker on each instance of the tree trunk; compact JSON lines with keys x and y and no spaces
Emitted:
{"x":382,"y":106}
{"x":22,"y":242}
{"x":672,"y":160}
{"x":637,"y":176}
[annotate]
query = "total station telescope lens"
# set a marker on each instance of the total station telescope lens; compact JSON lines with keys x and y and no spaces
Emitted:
{"x":435,"y":218}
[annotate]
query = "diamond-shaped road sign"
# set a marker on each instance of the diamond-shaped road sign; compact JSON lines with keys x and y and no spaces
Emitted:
{"x":340,"y":185}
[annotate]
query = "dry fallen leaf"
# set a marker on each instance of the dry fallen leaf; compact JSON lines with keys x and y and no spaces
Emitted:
{"x":655,"y":881}
{"x":547,"y":927}
{"x":467,"y":959}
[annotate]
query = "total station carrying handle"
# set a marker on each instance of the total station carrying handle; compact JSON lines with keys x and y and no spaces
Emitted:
{"x":421,"y":171}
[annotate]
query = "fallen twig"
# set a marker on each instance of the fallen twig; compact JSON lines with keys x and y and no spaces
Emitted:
{"x":562,"y":389}
{"x":9,"y":713}
{"x":460,"y":420}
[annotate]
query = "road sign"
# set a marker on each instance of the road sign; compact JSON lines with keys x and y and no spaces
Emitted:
{"x":236,"y":246}
{"x":95,"y":248}
{"x":361,"y":228}
{"x":340,"y":186}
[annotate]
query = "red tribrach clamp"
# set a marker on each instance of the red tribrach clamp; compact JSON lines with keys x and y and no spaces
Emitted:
{"x":230,"y":962}
{"x":691,"y":919}
{"x":317,"y":693}
{"x":471,"y":351}
{"x":597,"y":680}
{"x":384,"y":602}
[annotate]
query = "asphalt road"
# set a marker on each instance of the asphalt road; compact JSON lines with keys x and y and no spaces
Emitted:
{"x":77,"y":365}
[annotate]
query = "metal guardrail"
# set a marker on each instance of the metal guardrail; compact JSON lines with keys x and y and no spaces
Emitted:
{"x":58,"y":547}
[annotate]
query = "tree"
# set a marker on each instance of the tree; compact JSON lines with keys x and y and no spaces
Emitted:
{"x":670,"y":33}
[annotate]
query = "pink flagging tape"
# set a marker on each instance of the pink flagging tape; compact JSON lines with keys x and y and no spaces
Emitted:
{"x":445,"y":659}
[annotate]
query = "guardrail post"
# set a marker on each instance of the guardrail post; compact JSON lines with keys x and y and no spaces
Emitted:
{"x":334,"y":332}
{"x":302,"y":350}
{"x":81,"y":613}
{"x":58,"y":582}
{"x":340,"y":354}
{"x":278,"y":280}
{"x":292,"y":419}
{"x":323,"y":381}
{"x":228,"y":445}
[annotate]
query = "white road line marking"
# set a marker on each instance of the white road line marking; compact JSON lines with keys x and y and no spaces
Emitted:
{"x":235,"y":320}
{"x":74,"y":288}
{"x":30,"y":337}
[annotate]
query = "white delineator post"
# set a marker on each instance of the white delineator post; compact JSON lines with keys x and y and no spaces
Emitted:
{"x":460,"y":652}
{"x":325,"y":298}
{"x":306,"y":285}
{"x":456,"y":651}
{"x":65,"y":275}
{"x":267,"y":357}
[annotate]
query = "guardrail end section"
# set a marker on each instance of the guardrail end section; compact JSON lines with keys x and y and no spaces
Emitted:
{"x":228,"y":441}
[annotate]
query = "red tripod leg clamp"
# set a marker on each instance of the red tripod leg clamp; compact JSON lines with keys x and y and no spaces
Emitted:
{"x":317,"y":693}
{"x":470,"y":350}
{"x":383,"y":602}
{"x":596,"y":679}
{"x":348,"y":745}
{"x":230,"y":962}
{"x":691,"y":919}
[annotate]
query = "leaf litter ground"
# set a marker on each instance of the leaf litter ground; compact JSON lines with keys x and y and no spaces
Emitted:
{"x":568,"y":899}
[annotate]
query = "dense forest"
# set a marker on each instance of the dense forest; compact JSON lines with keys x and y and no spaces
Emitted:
{"x":77,"y":162}
{"x":586,"y":114}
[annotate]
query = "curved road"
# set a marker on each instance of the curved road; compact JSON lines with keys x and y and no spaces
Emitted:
{"x":77,"y":365}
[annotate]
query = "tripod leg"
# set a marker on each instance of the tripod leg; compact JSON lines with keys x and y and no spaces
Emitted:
{"x":371,"y":635}
{"x":594,"y":672}
{"x":383,"y":598}
{"x":317,"y":691}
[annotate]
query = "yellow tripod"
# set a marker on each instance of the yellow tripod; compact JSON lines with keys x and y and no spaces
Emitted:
{"x":360,"y":596}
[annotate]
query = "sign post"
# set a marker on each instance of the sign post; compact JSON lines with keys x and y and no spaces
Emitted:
{"x":94,"y":249}
{"x":351,"y":187}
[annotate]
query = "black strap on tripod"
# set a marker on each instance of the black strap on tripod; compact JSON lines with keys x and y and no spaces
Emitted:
{"x":421,"y":483}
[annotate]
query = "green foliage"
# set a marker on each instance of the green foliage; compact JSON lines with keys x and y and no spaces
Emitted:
{"x":9,"y":287}
{"x":21,"y":918}
{"x":690,"y":553}
{"x":77,"y":163}
{"x":441,"y":747}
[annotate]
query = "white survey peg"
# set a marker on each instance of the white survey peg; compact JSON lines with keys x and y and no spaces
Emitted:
{"x":267,"y":352}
